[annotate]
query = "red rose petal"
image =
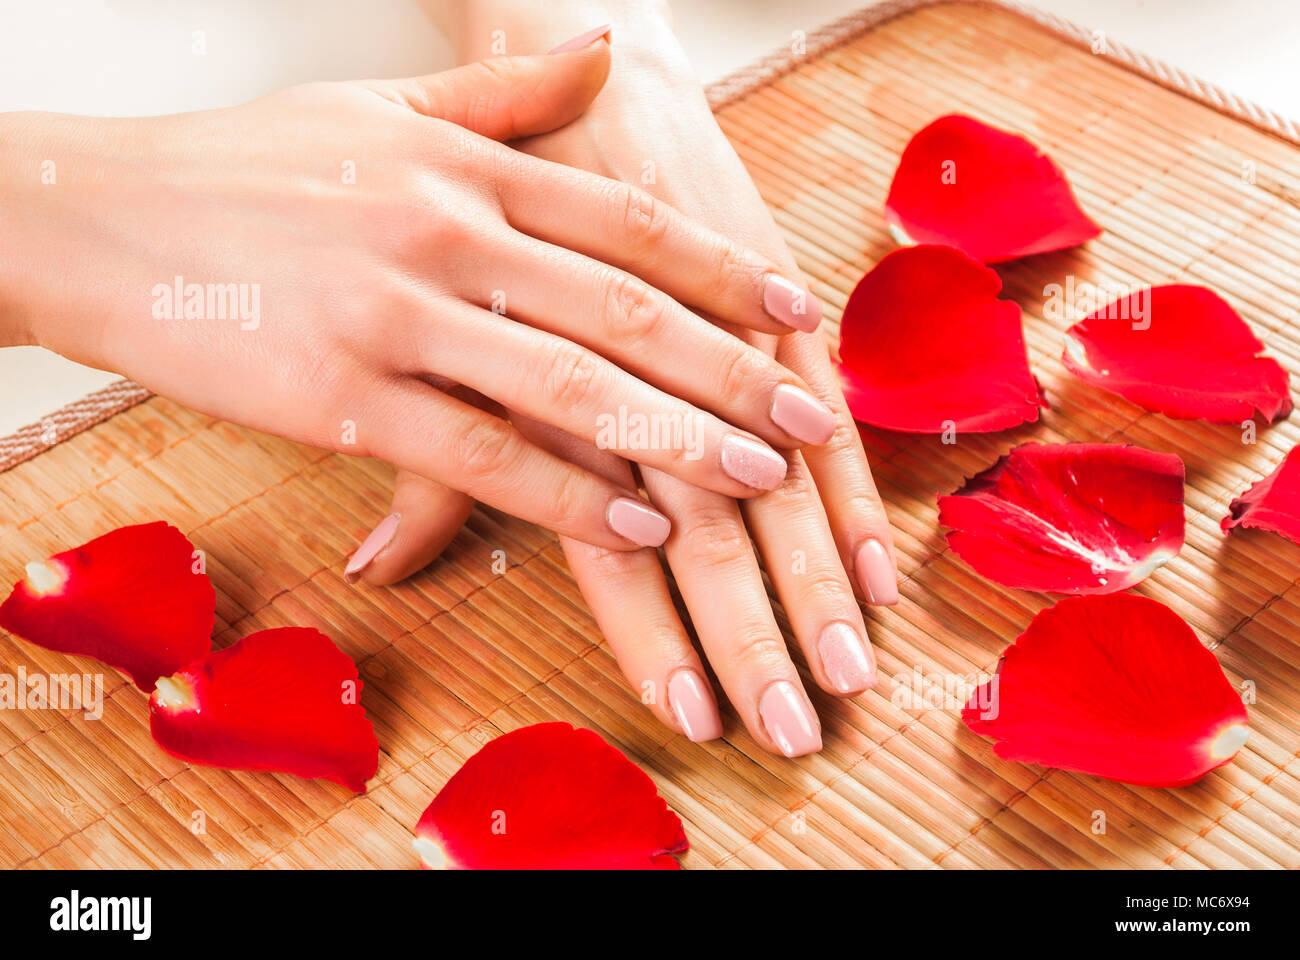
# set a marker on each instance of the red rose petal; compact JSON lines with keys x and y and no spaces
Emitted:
{"x":983,"y":190}
{"x":1272,"y":503}
{"x":284,"y":699}
{"x":926,"y":346}
{"x":1069,"y":517}
{"x":130,"y":598}
{"x":549,"y":796}
{"x":1117,"y":686}
{"x":1191,"y":357}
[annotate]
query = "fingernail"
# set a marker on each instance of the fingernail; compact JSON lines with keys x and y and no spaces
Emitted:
{"x":846,"y":659}
{"x":692,"y":704}
{"x":789,"y":720}
{"x":791,"y":304}
{"x":641,"y":524}
{"x":752,"y":463}
{"x":379,"y":538}
{"x":876,"y":574}
{"x":582,"y":40}
{"x":801,"y":415}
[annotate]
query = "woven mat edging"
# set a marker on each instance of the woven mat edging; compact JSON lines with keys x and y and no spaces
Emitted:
{"x":53,"y":429}
{"x":69,"y":420}
{"x":784,"y":59}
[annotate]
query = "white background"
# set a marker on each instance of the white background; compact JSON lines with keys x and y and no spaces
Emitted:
{"x":128,"y":57}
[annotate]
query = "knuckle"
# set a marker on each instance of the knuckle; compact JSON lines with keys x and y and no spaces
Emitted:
{"x":756,"y":646}
{"x":742,"y":369}
{"x":867,"y":507}
{"x":481,"y":108}
{"x":444,"y":232}
{"x":610,"y":567}
{"x":845,"y":440}
{"x":733,"y":267}
{"x":571,"y":377}
{"x":569,"y":497}
{"x":825,"y":589}
{"x":633,"y":312}
{"x":645,"y":219}
{"x":715,"y":537}
{"x":495,"y":70}
{"x":797,"y":497}
{"x":486,"y":448}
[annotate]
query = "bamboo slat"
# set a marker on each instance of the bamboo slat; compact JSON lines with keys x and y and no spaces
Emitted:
{"x":460,"y":653}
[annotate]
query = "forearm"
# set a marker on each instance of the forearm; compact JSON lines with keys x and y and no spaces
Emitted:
{"x":20,"y":175}
{"x":55,"y":173}
{"x":39,"y":169}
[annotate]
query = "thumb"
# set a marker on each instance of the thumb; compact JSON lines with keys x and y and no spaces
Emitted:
{"x":508,"y":97}
{"x":425,"y":518}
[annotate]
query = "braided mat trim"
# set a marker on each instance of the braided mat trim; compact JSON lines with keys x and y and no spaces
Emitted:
{"x":854,"y":25}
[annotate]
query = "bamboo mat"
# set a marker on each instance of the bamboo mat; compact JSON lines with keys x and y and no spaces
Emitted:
{"x":459,"y":654}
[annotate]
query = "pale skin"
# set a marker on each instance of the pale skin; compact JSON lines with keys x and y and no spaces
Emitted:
{"x":376,"y":295}
{"x":675,"y":298}
{"x":823,"y":534}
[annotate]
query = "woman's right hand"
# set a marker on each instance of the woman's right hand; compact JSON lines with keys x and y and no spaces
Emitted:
{"x":386,"y":255}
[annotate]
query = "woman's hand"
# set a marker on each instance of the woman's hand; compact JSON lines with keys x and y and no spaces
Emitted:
{"x":343,"y":263}
{"x":822,"y":533}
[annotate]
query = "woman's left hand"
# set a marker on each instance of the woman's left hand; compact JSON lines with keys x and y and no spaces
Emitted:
{"x":821,"y":534}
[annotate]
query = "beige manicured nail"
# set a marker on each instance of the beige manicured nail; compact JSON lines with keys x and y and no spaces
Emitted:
{"x":876,"y":574}
{"x":379,"y":538}
{"x":638,"y":522}
{"x":752,"y":463}
{"x":789,"y":720}
{"x":846,"y":658}
{"x":692,"y":704}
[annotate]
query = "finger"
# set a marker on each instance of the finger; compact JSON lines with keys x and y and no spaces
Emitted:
{"x":648,"y":333}
{"x":645,"y":236}
{"x":840,"y":471}
{"x":628,"y":595}
{"x":418,"y":428}
{"x":799,"y":552}
{"x":568,"y":386}
{"x":714,"y":565}
{"x":507,"y":97}
{"x":426,"y":516}
{"x":625,"y":226}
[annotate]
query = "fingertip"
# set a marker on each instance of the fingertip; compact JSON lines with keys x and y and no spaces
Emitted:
{"x":789,"y":719}
{"x":790,"y":304}
{"x":585,"y":64}
{"x":875,"y":573}
{"x":635,"y":520}
{"x":376,"y":542}
{"x":583,"y":40}
{"x":426,"y":518}
{"x":691,"y":702}
{"x":847,"y":661}
{"x":753,"y":463}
